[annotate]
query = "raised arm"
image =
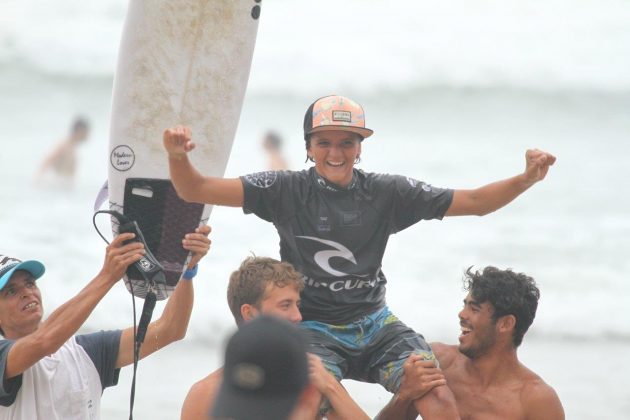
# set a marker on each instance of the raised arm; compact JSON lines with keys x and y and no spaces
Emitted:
{"x":173,"y":323}
{"x":69,"y":317}
{"x":491,"y":197}
{"x":343,"y":407}
{"x":188,"y":182}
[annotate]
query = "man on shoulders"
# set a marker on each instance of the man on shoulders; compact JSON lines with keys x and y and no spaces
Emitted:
{"x":484,"y":372}
{"x":48,"y":372}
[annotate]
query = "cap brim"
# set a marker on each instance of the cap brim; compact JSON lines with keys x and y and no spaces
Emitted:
{"x":239,"y":405}
{"x":36,"y":269}
{"x":363,"y":132}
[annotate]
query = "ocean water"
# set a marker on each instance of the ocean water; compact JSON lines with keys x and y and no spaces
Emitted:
{"x":455,"y":91}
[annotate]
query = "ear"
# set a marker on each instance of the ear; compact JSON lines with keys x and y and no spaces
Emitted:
{"x":248,"y":312}
{"x":506,"y":323}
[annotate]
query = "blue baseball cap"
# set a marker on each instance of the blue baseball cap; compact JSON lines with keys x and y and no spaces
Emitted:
{"x":8,"y":265}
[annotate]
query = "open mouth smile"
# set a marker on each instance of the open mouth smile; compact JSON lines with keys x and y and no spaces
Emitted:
{"x":30,"y":305}
{"x":465,"y":330}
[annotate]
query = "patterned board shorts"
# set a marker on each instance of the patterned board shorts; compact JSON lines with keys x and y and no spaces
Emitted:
{"x":372,"y":349}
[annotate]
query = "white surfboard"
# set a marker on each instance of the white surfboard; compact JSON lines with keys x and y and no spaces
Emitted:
{"x":180,"y":62}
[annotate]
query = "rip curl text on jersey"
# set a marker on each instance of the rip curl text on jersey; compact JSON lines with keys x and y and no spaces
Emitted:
{"x":337,"y":237}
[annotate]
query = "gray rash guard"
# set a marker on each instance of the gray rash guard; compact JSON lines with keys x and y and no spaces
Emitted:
{"x":337,"y":237}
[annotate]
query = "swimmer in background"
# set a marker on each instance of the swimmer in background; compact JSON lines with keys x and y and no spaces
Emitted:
{"x":62,"y":160}
{"x":272,"y":143}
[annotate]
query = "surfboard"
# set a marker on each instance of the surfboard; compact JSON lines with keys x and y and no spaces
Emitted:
{"x":183,"y":62}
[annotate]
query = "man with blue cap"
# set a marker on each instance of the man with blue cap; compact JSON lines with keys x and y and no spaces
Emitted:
{"x":48,"y":372}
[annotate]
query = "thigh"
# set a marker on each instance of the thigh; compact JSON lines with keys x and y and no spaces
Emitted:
{"x":333,"y":355}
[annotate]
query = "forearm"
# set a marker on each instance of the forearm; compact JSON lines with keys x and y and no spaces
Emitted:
{"x":489,"y":198}
{"x":69,"y":317}
{"x":397,"y":408}
{"x":343,"y":406}
{"x":173,"y":323}
{"x":192,"y":186}
{"x":186,"y":179}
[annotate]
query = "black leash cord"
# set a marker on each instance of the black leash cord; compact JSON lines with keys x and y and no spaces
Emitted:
{"x":147,"y":311}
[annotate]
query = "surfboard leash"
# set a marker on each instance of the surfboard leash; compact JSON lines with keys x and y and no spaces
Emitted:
{"x":150,"y":269}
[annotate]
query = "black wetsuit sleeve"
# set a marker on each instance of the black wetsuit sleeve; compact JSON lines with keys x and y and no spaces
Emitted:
{"x":263,"y":194}
{"x":9,"y":387}
{"x":102,"y":347}
{"x":415,"y":200}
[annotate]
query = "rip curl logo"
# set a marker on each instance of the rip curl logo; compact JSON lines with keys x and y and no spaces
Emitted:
{"x":339,"y":285}
{"x":146,"y":264}
{"x":322,"y":258}
{"x":414,"y":183}
{"x":324,"y":184}
{"x":262,"y":179}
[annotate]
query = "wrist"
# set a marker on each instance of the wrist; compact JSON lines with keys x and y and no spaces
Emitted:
{"x":526,"y":181}
{"x":177,"y":156}
{"x":402,"y":398}
{"x":190,"y":273}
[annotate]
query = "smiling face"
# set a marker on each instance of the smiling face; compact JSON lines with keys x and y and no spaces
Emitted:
{"x":478,"y":328}
{"x":20,"y":305}
{"x":334,"y":153}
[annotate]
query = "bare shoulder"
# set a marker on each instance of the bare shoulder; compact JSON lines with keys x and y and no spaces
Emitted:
{"x":446,"y":354}
{"x":540,"y":399}
{"x":200,"y":396}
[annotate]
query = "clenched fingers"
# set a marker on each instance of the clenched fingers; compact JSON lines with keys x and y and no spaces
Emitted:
{"x":198,"y":243}
{"x":119,"y":255}
{"x":177,"y":140}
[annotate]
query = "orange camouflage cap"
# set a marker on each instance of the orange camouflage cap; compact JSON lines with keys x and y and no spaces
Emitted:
{"x":335,"y":113}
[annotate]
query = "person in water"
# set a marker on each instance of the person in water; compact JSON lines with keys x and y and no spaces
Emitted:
{"x":272,"y":144}
{"x":334,"y":222}
{"x":62,"y":160}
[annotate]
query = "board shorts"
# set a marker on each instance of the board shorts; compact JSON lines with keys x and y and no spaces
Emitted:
{"x":371,"y":349}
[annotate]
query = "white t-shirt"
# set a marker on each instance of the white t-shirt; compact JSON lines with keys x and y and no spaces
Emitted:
{"x":66,"y":385}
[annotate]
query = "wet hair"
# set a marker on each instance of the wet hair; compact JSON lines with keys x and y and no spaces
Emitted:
{"x":508,"y":292}
{"x":248,"y":284}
